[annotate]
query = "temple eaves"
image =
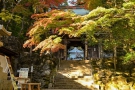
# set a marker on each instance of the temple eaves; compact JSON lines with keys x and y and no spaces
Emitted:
{"x":4,"y":32}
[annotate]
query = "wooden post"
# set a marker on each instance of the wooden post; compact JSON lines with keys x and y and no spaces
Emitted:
{"x":86,"y":50}
{"x":31,"y":63}
{"x":65,"y":50}
{"x":114,"y":57}
{"x":100,"y":50}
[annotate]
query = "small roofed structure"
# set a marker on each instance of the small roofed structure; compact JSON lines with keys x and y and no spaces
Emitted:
{"x":76,"y":54}
{"x":75,"y":50}
{"x":6,"y":72}
{"x":4,"y":32}
{"x":7,"y":52}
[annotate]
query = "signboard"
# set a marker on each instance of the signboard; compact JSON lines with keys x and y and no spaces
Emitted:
{"x":23,"y":73}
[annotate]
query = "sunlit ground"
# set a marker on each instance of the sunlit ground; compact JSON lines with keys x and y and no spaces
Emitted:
{"x":91,"y":81}
{"x":79,"y":77}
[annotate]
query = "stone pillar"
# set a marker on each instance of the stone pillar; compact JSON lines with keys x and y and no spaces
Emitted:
{"x":15,"y":62}
{"x":86,"y":50}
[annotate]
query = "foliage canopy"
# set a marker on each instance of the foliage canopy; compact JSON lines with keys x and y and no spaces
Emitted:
{"x":114,"y":26}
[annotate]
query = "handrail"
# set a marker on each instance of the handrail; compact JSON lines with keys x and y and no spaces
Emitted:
{"x":11,"y":73}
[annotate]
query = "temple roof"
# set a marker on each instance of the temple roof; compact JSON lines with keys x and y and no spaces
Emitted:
{"x":4,"y":32}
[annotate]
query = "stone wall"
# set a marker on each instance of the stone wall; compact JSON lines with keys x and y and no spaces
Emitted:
{"x":11,"y":43}
{"x":43,"y":66}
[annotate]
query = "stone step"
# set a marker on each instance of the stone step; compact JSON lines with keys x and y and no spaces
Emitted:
{"x":71,"y":73}
{"x":74,"y":80}
{"x":78,"y":88}
{"x":62,"y":74}
{"x":65,"y":89}
{"x":70,"y":87}
{"x":66,"y":83}
{"x":65,"y":80}
{"x":72,"y":77}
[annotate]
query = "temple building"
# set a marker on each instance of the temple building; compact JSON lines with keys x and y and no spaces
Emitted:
{"x":75,"y":47}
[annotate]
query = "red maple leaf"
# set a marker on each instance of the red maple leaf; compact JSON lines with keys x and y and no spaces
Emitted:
{"x":51,"y":2}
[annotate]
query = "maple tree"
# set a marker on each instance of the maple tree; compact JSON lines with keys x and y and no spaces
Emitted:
{"x":15,"y":14}
{"x":115,"y":26}
{"x":54,"y":22}
{"x":93,"y":4}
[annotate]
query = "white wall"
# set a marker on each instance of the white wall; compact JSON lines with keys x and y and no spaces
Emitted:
{"x":3,"y":63}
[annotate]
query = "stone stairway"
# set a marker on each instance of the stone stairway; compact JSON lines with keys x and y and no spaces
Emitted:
{"x":74,"y":75}
{"x":5,"y":84}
